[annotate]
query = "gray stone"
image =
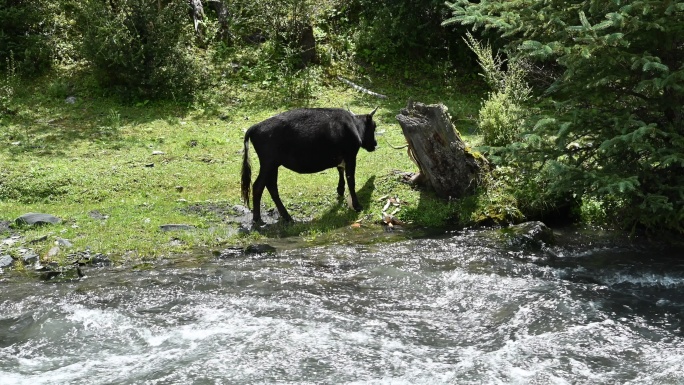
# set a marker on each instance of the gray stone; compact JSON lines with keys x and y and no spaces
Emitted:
{"x":35,"y":219}
{"x":70,"y":99}
{"x":29,"y":257}
{"x":64,"y":242}
{"x":38,"y":240}
{"x":95,"y":214}
{"x":53,"y":252}
{"x":6,"y":261}
{"x":176,"y":227}
{"x":4,"y":226}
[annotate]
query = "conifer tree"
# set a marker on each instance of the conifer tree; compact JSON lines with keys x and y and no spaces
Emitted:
{"x":615,"y":130}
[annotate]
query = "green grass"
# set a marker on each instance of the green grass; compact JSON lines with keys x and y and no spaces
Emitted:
{"x":98,"y":155}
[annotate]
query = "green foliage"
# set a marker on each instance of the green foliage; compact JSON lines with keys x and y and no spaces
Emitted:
{"x":500,"y":120}
{"x":391,"y":35}
{"x":37,"y":33}
{"x":8,"y":83}
{"x":22,"y":27}
{"x":614,"y":75}
{"x":502,"y":114}
{"x":141,"y":49}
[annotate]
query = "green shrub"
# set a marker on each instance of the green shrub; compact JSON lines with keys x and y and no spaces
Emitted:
{"x":7,"y":84}
{"x":500,"y":120}
{"x":613,"y":79}
{"x":139,"y":49}
{"x":502,"y":114}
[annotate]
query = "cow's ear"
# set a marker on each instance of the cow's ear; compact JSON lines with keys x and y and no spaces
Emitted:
{"x":373,"y":113}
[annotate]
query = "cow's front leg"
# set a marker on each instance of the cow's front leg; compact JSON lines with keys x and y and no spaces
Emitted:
{"x":350,"y":169}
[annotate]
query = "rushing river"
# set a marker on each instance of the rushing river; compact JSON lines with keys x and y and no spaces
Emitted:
{"x":459,"y":308}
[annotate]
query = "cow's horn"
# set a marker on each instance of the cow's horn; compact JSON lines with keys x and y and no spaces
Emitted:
{"x":349,"y":109}
{"x":372,"y":113}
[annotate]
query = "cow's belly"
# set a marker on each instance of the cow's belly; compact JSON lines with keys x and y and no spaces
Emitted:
{"x":311,"y":163}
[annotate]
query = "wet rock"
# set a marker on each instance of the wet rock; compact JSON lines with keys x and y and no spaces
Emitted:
{"x":261,"y":248}
{"x":533,"y":234}
{"x":6,"y":261}
{"x":239,"y":251}
{"x":231,"y":252}
{"x":55,"y":272}
{"x":37,"y":219}
{"x":87,"y":258}
{"x":176,"y":227}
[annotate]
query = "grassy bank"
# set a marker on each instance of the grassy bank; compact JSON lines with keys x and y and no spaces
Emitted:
{"x":115,"y":172}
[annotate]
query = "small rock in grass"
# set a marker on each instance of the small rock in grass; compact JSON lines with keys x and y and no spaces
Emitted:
{"x":53,"y":252}
{"x":29,"y":257}
{"x":64,"y":242}
{"x":176,"y":227}
{"x":95,"y":214}
{"x":35,"y":219}
{"x":6,"y":261}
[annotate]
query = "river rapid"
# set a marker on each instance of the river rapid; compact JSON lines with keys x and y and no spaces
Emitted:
{"x":456,"y":308}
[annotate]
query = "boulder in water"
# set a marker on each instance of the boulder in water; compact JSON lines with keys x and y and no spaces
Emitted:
{"x":532,"y":234}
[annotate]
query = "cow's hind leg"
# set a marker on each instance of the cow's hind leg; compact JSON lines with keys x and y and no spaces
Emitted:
{"x":272,"y":186}
{"x":257,"y":192}
{"x":340,"y":183}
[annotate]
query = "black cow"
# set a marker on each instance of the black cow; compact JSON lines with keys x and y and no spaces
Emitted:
{"x":306,"y":141}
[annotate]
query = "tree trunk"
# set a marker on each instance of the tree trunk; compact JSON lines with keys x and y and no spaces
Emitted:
{"x":444,"y":161}
{"x":197,"y":14}
{"x":222,"y":15}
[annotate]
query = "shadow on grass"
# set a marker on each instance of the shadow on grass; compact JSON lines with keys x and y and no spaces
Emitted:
{"x":338,"y":215}
{"x":52,"y":127}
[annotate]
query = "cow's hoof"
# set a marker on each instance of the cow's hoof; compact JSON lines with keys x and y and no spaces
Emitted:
{"x":358,"y":208}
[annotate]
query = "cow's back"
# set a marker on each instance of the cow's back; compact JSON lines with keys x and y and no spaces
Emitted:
{"x":305,"y":140}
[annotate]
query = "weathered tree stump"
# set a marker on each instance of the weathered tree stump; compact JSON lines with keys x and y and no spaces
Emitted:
{"x":444,"y":161}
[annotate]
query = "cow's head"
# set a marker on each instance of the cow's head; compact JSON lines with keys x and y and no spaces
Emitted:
{"x":368,"y":141}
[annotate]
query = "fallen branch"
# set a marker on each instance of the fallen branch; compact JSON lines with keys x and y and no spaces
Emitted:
{"x":396,"y":147}
{"x":361,"y":89}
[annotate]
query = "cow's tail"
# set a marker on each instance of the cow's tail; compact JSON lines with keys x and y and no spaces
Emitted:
{"x":246,"y":171}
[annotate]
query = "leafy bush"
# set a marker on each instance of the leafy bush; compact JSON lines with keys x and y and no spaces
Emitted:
{"x":614,"y":134}
{"x":405,"y":33}
{"x":140,"y":49}
{"x":500,"y":120}
{"x":502,"y":114}
{"x":7,"y":85}
{"x":37,"y":33}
